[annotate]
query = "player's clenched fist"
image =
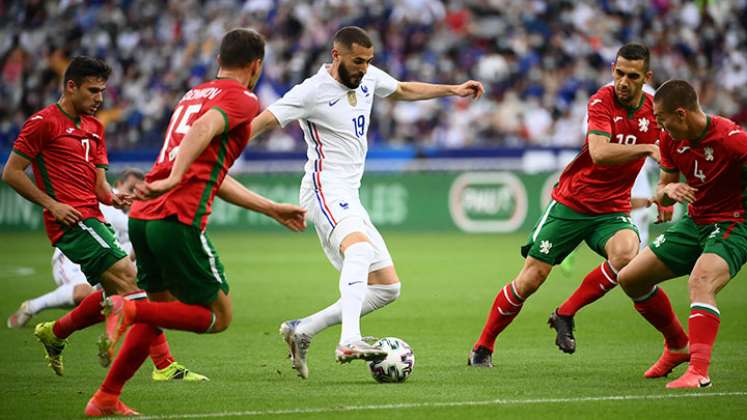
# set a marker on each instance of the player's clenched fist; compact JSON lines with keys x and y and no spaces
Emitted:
{"x":471,"y":88}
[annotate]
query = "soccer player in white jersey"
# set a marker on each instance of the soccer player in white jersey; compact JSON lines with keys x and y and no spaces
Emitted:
{"x":72,"y":286}
{"x":333,"y":108}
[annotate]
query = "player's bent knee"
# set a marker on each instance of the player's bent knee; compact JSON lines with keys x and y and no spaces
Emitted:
{"x":532,"y":276}
{"x":623,"y":258}
{"x":701,"y":284}
{"x":80,"y":291}
{"x":351,"y":239}
{"x":222,"y":322}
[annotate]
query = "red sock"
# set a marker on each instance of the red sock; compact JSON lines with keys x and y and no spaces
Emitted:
{"x":130,"y":357}
{"x":658,"y":312}
{"x":506,"y":306}
{"x":87,"y":313}
{"x":596,"y":284}
{"x":174,"y":316}
{"x":703,"y":326}
{"x":160,"y":353}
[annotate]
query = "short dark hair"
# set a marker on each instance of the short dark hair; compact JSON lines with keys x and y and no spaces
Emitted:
{"x":241,"y":46}
{"x":350,"y":35}
{"x":128,"y":172}
{"x":675,"y":94}
{"x":82,"y":66}
{"x":633,"y":52}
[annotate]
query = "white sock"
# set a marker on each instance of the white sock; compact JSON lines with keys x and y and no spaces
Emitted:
{"x":57,"y":298}
{"x":377,"y":297}
{"x":353,"y":281}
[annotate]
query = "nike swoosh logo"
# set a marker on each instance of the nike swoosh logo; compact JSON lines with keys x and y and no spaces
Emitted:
{"x":616,"y":119}
{"x":733,"y":132}
{"x":354,"y":282}
{"x":332,"y":103}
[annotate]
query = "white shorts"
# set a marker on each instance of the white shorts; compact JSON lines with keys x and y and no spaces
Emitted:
{"x":65,"y":271}
{"x":336,"y":213}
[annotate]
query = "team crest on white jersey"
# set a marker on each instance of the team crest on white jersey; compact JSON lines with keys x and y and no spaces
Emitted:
{"x":708,"y":153}
{"x":352,"y":99}
{"x":643,"y":124}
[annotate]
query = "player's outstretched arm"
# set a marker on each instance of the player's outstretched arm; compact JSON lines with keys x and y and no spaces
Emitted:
{"x":14,"y":174}
{"x":265,"y":121}
{"x":288,"y":215}
{"x":669,"y":190}
{"x":194,"y":142}
{"x":603,"y":152}
{"x":415,"y":91}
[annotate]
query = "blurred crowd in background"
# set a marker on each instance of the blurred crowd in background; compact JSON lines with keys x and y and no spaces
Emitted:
{"x":538,"y":59}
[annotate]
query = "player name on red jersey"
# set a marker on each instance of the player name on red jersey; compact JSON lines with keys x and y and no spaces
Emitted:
{"x":191,"y":200}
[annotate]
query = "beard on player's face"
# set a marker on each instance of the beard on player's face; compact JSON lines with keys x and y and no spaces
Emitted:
{"x":348,"y":79}
{"x":626,"y":93}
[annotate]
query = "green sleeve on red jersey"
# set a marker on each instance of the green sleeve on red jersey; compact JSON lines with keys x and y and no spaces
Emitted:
{"x":225,"y":117}
{"x":601,"y":133}
{"x":238,"y":106}
{"x":100,"y":158}
{"x":23,"y":155}
{"x":599,"y":111}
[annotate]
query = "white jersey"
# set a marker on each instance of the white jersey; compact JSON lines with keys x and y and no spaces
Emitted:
{"x":334,"y":120}
{"x":119,"y":221}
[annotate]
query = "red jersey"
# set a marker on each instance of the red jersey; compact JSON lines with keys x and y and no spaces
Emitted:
{"x":191,"y":200}
{"x":65,"y":153}
{"x":715,"y":164}
{"x":600,"y":189}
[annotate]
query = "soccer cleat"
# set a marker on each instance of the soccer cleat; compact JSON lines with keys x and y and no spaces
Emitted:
{"x":359,"y":349}
{"x":104,"y":405}
{"x":119,"y":313}
{"x":20,"y":317}
{"x":666,"y":363}
{"x":177,"y":372}
{"x":690,"y":379}
{"x":53,"y":346}
{"x":480,"y":357}
{"x":563,"y":326}
{"x":298,"y":346}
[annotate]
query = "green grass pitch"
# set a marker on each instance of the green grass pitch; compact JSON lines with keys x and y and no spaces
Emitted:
{"x":449,"y":281}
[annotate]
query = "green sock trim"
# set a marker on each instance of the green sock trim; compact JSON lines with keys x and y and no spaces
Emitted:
{"x":707,"y":308}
